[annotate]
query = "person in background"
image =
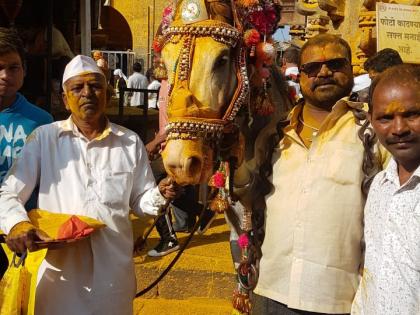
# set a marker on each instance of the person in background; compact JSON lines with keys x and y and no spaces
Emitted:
{"x":391,"y":274}
{"x":360,"y":90}
{"x":291,"y":72}
{"x":154,"y":84}
{"x":381,"y":61}
{"x":120,"y":83}
{"x":137,"y":81}
{"x":18,"y":117}
{"x":84,"y":165}
{"x":102,"y":63}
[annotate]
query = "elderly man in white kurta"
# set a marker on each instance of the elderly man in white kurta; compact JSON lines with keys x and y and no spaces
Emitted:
{"x":84,"y":165}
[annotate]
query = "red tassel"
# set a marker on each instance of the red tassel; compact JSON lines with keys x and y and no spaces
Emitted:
{"x":241,"y":302}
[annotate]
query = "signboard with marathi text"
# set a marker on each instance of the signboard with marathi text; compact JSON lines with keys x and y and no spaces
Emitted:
{"x":398,"y":27}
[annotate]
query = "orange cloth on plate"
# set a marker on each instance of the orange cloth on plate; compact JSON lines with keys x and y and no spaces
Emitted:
{"x":74,"y":228}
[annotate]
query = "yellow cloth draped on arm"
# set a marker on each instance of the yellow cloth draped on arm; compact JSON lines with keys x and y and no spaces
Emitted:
{"x":17,"y":288}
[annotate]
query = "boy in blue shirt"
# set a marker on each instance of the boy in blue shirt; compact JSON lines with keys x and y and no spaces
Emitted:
{"x":18,"y":117}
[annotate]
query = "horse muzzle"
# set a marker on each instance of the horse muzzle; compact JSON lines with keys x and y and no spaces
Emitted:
{"x":189,"y":162}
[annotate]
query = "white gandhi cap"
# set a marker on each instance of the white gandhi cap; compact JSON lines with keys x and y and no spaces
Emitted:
{"x":361,"y":82}
{"x":80,"y":65}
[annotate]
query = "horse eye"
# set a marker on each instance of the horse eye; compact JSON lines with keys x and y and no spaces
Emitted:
{"x":221,"y":61}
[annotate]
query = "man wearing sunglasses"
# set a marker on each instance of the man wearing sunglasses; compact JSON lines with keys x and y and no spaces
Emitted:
{"x":312,"y":253}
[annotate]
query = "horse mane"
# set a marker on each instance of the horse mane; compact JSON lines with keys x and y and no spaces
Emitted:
{"x":220,"y":10}
{"x":262,"y":135}
{"x":265,"y":144}
{"x":371,"y":163}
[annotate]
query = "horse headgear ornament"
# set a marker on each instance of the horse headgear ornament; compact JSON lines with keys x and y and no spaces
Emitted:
{"x":255,"y":22}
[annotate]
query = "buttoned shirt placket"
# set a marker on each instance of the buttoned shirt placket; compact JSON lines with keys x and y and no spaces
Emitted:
{"x":301,"y":203}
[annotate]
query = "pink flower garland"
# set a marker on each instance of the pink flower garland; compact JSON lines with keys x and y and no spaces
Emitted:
{"x":219,"y":179}
{"x":243,"y":241}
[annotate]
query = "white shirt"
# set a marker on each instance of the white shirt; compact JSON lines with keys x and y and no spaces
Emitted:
{"x":137,"y":81}
{"x":391,"y":275}
{"x":102,"y":179}
{"x":154,"y":85}
{"x":295,"y":85}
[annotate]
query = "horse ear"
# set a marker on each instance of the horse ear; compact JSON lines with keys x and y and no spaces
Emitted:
{"x":220,"y":10}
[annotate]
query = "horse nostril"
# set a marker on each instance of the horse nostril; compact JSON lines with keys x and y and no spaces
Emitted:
{"x":192,"y":165}
{"x":171,"y":167}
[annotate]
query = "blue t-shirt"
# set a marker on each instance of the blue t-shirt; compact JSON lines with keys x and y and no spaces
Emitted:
{"x":16,"y":124}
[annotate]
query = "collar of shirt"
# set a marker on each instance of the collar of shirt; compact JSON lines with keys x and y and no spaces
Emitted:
{"x":69,"y":126}
{"x":291,"y":71}
{"x":391,"y":174}
{"x":18,"y":102}
{"x":340,"y":108}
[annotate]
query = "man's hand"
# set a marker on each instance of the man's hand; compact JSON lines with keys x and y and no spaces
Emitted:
{"x":169,"y":188}
{"x":153,"y":146}
{"x":23,"y":236}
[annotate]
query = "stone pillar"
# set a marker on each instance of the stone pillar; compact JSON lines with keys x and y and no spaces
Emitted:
{"x":297,"y":32}
{"x":367,"y":42}
{"x":317,"y":24}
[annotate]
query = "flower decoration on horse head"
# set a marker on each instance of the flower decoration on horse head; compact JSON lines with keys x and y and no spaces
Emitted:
{"x":259,"y":21}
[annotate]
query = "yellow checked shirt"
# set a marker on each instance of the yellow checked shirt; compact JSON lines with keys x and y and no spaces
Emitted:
{"x":312,"y":249}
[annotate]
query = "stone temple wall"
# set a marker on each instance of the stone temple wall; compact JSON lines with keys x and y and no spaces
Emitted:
{"x":354,"y":20}
{"x":342,"y":17}
{"x":140,"y":15}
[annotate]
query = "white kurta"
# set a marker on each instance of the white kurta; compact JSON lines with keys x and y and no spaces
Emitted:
{"x":137,"y":81}
{"x":102,"y":179}
{"x":155,"y":85}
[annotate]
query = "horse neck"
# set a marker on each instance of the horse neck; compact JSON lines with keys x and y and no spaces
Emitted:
{"x":265,"y":126}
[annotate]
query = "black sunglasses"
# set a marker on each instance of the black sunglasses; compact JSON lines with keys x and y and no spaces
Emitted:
{"x":313,"y":68}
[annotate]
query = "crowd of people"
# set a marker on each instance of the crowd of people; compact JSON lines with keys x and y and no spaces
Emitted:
{"x":342,"y":219}
{"x":117,"y":81}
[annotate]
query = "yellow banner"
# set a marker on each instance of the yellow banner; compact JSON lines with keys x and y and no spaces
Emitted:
{"x":398,"y":27}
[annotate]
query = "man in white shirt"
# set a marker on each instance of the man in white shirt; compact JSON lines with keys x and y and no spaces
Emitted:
{"x":391,"y":275}
{"x":84,"y":165}
{"x":153,"y":85}
{"x":291,"y":71}
{"x":137,"y":81}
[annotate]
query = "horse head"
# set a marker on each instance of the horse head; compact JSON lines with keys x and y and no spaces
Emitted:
{"x":218,"y":55}
{"x":210,"y":49}
{"x":208,"y":83}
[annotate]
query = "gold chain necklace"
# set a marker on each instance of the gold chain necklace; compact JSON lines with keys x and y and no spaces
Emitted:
{"x":315,"y":130}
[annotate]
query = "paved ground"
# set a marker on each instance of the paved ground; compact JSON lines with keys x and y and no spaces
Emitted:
{"x":201,"y":282}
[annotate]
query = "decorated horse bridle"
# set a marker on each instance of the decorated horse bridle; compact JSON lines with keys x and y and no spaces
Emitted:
{"x":199,"y":127}
{"x":255,"y":21}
